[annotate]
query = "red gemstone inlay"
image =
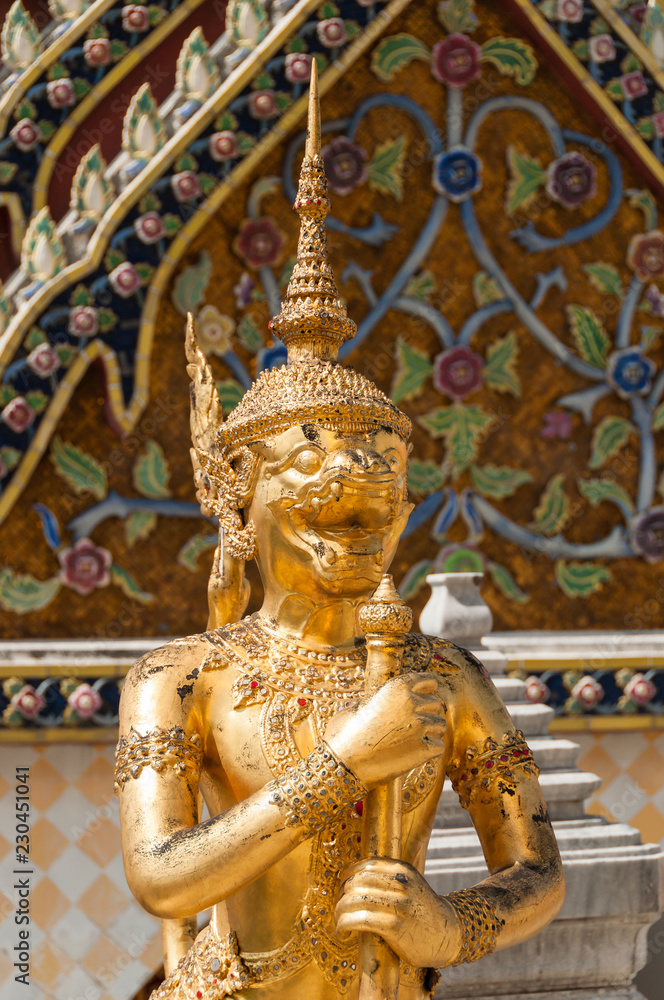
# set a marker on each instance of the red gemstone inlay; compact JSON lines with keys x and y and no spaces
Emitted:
{"x":437,"y":656}
{"x":473,"y":770}
{"x":517,"y":753}
{"x":301,"y":701}
{"x":359,"y":806}
{"x":504,"y":756}
{"x":464,"y":777}
{"x":254,"y":684}
{"x":488,"y":763}
{"x":199,"y":994}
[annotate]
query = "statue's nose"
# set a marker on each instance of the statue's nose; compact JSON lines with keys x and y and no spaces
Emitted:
{"x":359,"y":460}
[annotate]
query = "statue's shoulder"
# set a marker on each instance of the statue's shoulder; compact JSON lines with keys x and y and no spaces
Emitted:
{"x":164,"y":664}
{"x":429,"y":652}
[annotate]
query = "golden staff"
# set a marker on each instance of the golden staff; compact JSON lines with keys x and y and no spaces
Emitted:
{"x":385,"y":619}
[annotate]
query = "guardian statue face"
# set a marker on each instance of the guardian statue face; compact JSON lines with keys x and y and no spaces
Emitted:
{"x":328,"y":508}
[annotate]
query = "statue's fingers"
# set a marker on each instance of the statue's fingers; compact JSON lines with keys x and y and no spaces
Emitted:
{"x":422,"y":683}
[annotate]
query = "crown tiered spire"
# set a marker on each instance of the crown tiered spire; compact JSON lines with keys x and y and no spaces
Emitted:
{"x":313,"y":322}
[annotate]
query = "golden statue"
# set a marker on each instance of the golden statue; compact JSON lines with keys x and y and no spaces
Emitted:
{"x":320,"y":730}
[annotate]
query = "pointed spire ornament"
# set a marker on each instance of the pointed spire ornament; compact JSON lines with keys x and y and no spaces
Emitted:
{"x":313,"y":322}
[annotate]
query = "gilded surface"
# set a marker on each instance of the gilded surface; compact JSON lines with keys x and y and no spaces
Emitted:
{"x":294,"y":701}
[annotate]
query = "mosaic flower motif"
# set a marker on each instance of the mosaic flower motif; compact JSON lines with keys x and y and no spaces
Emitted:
{"x":656,"y":300}
{"x":60,"y":93}
{"x":557,"y":424}
{"x":185,"y":186}
{"x":457,"y":372}
{"x":223,"y":146}
{"x":457,"y":174}
{"x":125,"y":280}
{"x":345,"y":165}
{"x":259,"y":243}
{"x":645,"y":254}
{"x":588,"y":692}
{"x":658,"y":122}
{"x":456,"y":61}
{"x":647,"y":534}
{"x":572,"y":180}
{"x":28,"y":702}
{"x":629,"y":373}
{"x":537,"y":692}
{"x":83,"y":321}
{"x":43,"y":360}
{"x":331,"y":32}
{"x":459,"y":559}
{"x":243,"y":289}
{"x":85,"y":701}
{"x":633,"y":85}
{"x":640,"y":689}
{"x":263,"y":105}
{"x":602,"y":48}
{"x":18,"y":415}
{"x":85,"y":566}
{"x":298,"y":67}
{"x":97,"y":51}
{"x":214,"y":331}
{"x":149,"y":228}
{"x":25,"y":135}
{"x":135,"y":17}
{"x":570,"y":11}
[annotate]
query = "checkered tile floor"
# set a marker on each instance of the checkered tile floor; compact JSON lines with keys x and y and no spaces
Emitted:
{"x":631,"y":766}
{"x":89,"y":939}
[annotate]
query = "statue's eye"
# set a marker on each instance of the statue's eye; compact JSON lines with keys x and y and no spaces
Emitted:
{"x":307,"y":462}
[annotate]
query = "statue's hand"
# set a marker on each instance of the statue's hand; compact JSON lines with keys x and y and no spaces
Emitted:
{"x":390,"y":898}
{"x":399,"y":727}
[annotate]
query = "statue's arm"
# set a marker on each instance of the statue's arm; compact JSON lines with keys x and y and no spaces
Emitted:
{"x":495,"y":776}
{"x":525,"y":888}
{"x":176,"y":866}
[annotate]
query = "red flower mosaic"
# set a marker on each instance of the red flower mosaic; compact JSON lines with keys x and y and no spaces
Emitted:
{"x":345,"y":165}
{"x":456,"y":61}
{"x":28,"y":702}
{"x":570,"y":11}
{"x":18,"y":415}
{"x":135,"y":17}
{"x":557,"y":424}
{"x":150,"y":228}
{"x":633,"y":85}
{"x":331,"y":32}
{"x":43,"y":361}
{"x":85,"y":701}
{"x":457,"y":372}
{"x":83,"y":321}
{"x":537,"y":692}
{"x":263,"y":105}
{"x":125,"y":280}
{"x":186,"y":186}
{"x":640,"y":689}
{"x":298,"y":67}
{"x":223,"y":146}
{"x":60,"y":93}
{"x":25,"y":135}
{"x":85,"y":567}
{"x":97,"y":51}
{"x":645,"y":255}
{"x":588,"y":692}
{"x":602,"y":48}
{"x":259,"y":243}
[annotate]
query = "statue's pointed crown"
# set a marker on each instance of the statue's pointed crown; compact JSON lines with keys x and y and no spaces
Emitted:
{"x":313,"y":324}
{"x":313,"y":321}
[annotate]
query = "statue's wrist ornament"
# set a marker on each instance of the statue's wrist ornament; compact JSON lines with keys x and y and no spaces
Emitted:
{"x":161,"y":750}
{"x":493,"y":764}
{"x":313,"y":792}
{"x":478,"y":922}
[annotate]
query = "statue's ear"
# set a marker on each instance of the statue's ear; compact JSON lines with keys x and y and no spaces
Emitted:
{"x":228,"y":589}
{"x":216,"y":484}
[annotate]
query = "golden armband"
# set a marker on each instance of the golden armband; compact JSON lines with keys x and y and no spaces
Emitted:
{"x":495,"y":765}
{"x":478,"y":921}
{"x":160,"y":749}
{"x":313,"y":792}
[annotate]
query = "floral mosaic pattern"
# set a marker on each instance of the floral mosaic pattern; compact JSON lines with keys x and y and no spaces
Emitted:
{"x":603,"y":692}
{"x":28,"y":703}
{"x":47,"y":103}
